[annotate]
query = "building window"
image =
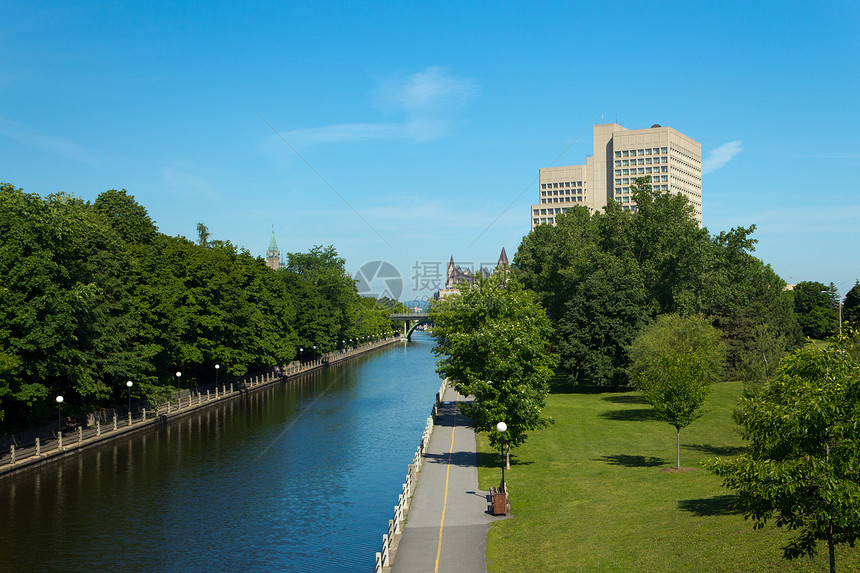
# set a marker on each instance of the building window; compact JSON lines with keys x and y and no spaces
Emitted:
{"x":618,"y":181}
{"x":537,"y":212}
{"x":664,"y":150}
{"x":647,"y":170}
{"x":625,"y":153}
{"x":641,"y":162}
{"x":647,"y":151}
{"x":664,"y":169}
{"x":543,"y":185}
{"x":626,"y":162}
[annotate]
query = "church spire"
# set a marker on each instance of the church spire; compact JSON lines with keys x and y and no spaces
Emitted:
{"x":503,"y":258}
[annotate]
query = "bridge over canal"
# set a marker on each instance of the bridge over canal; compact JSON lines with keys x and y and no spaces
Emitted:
{"x":411,"y":321}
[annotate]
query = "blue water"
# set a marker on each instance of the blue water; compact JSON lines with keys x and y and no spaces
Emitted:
{"x":301,"y":476}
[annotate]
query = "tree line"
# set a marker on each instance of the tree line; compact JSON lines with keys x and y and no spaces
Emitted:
{"x":94,"y":295}
{"x":602,"y":277}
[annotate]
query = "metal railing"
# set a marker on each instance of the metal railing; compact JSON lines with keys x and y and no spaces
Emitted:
{"x":49,"y":442}
{"x":395,"y":526}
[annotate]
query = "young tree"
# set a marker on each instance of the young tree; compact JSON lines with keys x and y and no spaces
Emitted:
{"x":802,"y":459}
{"x":674,"y":361}
{"x":493,"y":340}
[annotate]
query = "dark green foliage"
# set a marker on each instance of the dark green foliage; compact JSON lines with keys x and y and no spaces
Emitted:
{"x":816,"y":309}
{"x":601,"y":277}
{"x":126,"y":216}
{"x":93,"y":296}
{"x":851,"y":306}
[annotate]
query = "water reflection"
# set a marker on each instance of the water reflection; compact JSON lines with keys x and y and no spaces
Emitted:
{"x":300,"y":476}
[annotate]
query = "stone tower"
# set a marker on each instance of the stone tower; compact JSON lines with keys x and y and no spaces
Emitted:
{"x":273,"y":255}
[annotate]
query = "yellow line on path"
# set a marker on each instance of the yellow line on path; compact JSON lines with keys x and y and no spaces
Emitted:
{"x":445,"y":503}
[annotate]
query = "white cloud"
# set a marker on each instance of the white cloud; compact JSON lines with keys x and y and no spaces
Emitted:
{"x":427,"y":102}
{"x":346,"y":132}
{"x":718,"y":157}
{"x":49,"y":143}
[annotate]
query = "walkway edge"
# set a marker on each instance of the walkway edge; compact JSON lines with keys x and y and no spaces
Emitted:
{"x":391,"y":539}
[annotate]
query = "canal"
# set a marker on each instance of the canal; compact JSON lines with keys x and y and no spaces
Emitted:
{"x":300,"y":476}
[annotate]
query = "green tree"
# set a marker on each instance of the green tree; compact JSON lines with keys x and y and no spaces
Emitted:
{"x":127,"y":217}
{"x":815,"y":310}
{"x":803,"y":454}
{"x":493,"y":344}
{"x":674,"y":361}
{"x":851,"y":305}
{"x":202,"y":235}
{"x":603,"y":276}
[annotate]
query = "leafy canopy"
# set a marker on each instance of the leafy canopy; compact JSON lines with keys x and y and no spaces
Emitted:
{"x":802,"y":464}
{"x":493,"y":344}
{"x":674,"y":361}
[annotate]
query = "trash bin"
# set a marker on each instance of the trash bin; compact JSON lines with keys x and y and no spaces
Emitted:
{"x":500,"y":503}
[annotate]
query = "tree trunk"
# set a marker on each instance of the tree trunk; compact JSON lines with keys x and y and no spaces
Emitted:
{"x":830,"y":546}
{"x":507,"y":456}
{"x":679,"y":447}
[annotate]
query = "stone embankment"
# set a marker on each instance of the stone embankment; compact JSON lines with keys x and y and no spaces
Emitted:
{"x":45,"y":445}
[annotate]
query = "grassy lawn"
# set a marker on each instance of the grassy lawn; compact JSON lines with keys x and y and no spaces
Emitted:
{"x":588,"y":493}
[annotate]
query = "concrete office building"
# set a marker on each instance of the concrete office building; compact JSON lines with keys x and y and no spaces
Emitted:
{"x":672,"y":160}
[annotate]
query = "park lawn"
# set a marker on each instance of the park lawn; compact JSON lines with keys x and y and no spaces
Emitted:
{"x":588,"y":493}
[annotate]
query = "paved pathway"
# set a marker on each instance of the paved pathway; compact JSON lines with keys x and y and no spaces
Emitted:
{"x":446,"y":529}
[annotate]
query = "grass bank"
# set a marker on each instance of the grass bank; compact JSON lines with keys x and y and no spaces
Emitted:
{"x":589,"y":494}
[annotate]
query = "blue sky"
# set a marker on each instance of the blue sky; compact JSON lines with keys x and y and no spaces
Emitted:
{"x":410,"y":132}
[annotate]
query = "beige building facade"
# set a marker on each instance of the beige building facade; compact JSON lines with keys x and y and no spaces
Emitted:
{"x":672,"y":160}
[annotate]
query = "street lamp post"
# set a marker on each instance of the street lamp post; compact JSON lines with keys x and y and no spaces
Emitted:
{"x":315,"y":351}
{"x":301,"y":355}
{"x":502,"y":428}
{"x":129,"y":384}
{"x":217,"y":368}
{"x":59,"y":414}
{"x":178,"y":385}
{"x":838,"y":300}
